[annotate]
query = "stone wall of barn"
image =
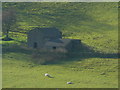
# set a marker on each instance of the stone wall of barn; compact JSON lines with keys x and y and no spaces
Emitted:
{"x":35,"y":40}
{"x":73,"y":45}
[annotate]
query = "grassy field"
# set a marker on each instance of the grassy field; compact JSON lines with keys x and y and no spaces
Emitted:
{"x":18,"y":71}
{"x":94,"y":23}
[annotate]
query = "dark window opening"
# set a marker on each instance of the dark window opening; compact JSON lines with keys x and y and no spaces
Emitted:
{"x":54,"y":47}
{"x":35,"y":45}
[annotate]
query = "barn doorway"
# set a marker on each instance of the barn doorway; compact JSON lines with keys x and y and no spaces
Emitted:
{"x":35,"y":45}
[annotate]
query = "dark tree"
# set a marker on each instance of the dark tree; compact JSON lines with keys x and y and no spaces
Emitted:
{"x":8,"y":20}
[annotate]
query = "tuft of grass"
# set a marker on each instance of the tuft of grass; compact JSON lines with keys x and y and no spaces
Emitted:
{"x":46,"y":57}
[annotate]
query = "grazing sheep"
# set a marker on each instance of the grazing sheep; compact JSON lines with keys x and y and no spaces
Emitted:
{"x":48,"y":75}
{"x":69,"y":83}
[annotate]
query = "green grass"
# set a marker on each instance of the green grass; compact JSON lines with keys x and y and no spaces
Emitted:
{"x":95,"y":24}
{"x":84,"y":74}
{"x":86,"y":21}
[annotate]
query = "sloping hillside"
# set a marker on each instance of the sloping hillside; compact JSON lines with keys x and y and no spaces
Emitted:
{"x":96,"y":24}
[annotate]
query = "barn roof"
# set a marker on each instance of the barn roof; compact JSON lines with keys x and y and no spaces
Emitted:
{"x":44,"y":30}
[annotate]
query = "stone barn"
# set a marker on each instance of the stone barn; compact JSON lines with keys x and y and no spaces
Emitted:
{"x":50,"y":39}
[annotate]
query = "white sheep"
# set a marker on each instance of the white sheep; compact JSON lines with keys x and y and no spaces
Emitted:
{"x":69,"y":83}
{"x":48,"y":75}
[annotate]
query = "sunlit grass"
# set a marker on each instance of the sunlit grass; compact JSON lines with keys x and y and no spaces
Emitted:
{"x":95,"y":24}
{"x":84,"y":74}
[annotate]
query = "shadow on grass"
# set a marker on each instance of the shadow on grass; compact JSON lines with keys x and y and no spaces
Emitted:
{"x":14,"y":48}
{"x":84,"y":52}
{"x":80,"y":53}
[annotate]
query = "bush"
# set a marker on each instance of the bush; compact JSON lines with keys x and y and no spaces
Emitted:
{"x":43,"y":57}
